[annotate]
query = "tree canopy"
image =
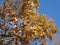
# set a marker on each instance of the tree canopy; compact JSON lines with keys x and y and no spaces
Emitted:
{"x":20,"y":23}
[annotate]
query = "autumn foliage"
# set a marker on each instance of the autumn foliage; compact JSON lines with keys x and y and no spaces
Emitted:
{"x":20,"y":22}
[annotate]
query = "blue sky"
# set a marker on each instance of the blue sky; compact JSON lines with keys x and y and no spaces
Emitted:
{"x":51,"y":8}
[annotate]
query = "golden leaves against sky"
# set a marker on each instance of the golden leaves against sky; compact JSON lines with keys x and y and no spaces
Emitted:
{"x":22,"y":22}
